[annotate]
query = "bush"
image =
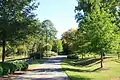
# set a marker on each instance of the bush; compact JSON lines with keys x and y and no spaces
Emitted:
{"x":31,"y":55}
{"x":12,"y":67}
{"x":24,"y":66}
{"x":18,"y":66}
{"x":35,"y":55}
{"x":49,"y":54}
{"x":6,"y":68}
{"x":72,"y":56}
{"x":1,"y":70}
{"x":21,"y":65}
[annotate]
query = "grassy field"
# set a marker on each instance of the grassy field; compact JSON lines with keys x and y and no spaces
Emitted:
{"x":88,"y":69}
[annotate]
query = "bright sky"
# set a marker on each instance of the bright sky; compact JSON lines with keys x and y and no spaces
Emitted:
{"x":60,"y":12}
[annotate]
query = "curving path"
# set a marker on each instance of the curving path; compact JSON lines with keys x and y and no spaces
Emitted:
{"x":49,"y":70}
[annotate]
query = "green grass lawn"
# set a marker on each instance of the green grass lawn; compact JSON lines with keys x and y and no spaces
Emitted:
{"x":89,"y":70}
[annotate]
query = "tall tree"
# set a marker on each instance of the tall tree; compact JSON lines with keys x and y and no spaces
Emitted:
{"x":68,"y":38}
{"x":59,"y":46}
{"x":15,"y":16}
{"x":98,"y":25}
{"x":49,"y":29}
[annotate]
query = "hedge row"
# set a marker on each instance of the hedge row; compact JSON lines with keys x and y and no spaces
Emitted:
{"x":11,"y":67}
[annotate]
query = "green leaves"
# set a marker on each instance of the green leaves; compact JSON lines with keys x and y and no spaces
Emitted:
{"x":48,"y":26}
{"x":59,"y":46}
{"x":98,"y":25}
{"x":16,"y":15}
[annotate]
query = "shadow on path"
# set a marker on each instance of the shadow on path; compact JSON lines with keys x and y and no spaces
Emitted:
{"x":49,"y":70}
{"x":80,"y":78}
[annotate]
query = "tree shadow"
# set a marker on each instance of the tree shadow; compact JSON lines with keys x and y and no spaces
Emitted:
{"x":82,"y":62}
{"x":76,"y":70}
{"x":117,"y":60}
{"x":82,"y":70}
{"x":94,"y":64}
{"x":38,"y":78}
{"x":99,"y":68}
{"x":79,"y":78}
{"x":85,"y":62}
{"x":48,"y":70}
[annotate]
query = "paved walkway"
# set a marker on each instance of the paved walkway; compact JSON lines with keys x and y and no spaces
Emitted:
{"x":49,"y":70}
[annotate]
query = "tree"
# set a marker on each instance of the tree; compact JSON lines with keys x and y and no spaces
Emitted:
{"x":15,"y":16}
{"x":68,"y":38}
{"x":80,"y":44}
{"x":97,"y":25}
{"x":86,"y":6}
{"x":59,"y":46}
{"x":49,"y":29}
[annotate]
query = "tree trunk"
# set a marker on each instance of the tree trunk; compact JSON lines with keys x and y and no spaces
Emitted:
{"x":3,"y":44}
{"x":82,"y":55}
{"x":103,"y":54}
{"x":101,"y":60}
{"x":67,"y":48}
{"x":46,"y":40}
{"x":118,"y":55}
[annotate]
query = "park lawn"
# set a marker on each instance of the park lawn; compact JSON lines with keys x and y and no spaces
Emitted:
{"x":111,"y":70}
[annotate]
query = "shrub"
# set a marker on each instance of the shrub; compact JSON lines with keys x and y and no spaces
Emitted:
{"x":18,"y":66}
{"x":12,"y":67}
{"x":21,"y":65}
{"x":49,"y":54}
{"x":6,"y":68}
{"x":1,"y":70}
{"x":72,"y":56}
{"x":24,"y":66}
{"x":35,"y":55}
{"x":31,"y":55}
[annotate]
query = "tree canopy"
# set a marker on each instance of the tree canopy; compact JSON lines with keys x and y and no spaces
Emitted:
{"x":98,"y":30}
